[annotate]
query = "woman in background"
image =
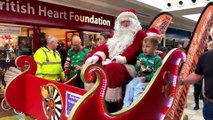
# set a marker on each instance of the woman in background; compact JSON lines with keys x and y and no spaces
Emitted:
{"x":104,"y":36}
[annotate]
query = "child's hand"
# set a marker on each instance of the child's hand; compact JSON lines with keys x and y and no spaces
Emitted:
{"x":138,"y":62}
{"x":142,"y":79}
{"x":158,"y":52}
{"x":149,"y":70}
{"x":77,"y":67}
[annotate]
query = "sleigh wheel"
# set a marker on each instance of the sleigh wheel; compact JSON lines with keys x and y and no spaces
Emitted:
{"x":4,"y":105}
{"x":52,"y":102}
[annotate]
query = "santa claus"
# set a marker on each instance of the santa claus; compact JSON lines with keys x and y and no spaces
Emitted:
{"x":119,"y":54}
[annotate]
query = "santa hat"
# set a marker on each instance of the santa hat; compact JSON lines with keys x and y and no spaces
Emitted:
{"x":153,"y":31}
{"x":211,"y":33}
{"x":126,"y":14}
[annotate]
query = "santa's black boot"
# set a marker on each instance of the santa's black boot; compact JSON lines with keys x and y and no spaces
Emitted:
{"x":112,"y":106}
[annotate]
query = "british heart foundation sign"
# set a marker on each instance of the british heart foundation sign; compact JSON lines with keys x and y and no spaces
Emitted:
{"x":37,"y":12}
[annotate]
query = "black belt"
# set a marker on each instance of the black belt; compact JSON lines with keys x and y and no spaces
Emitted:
{"x":208,"y":99}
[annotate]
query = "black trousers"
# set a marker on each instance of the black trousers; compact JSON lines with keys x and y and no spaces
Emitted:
{"x":112,"y":106}
{"x":78,"y":81}
{"x":197,"y":93}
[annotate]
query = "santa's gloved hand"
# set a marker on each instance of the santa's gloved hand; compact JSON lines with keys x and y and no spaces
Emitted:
{"x":106,"y":62}
{"x":92,"y":60}
{"x":119,"y":59}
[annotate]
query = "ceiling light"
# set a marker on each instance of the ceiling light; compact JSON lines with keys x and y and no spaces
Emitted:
{"x":174,"y":5}
{"x":154,"y":3}
{"x":193,"y":17}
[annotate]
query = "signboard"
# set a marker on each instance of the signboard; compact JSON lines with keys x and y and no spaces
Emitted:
{"x":10,"y":31}
{"x":47,"y":14}
{"x":196,"y":48}
{"x":71,"y":99}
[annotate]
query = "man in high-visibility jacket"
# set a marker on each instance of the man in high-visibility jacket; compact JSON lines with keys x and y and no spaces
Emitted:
{"x":48,"y":61}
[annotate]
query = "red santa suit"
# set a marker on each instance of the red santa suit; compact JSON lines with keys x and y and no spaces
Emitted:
{"x":119,"y":55}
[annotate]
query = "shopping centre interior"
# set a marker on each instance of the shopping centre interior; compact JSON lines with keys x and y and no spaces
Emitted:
{"x":24,"y":37}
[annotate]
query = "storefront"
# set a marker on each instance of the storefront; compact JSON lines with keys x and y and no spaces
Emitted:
{"x":40,"y":14}
{"x":24,"y":24}
{"x":176,"y":36}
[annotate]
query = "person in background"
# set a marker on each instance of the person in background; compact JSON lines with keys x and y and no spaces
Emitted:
{"x":147,"y":64}
{"x":210,"y":45}
{"x":197,"y":94}
{"x":161,"y":47}
{"x":204,"y":69}
{"x":63,"y":54}
{"x":75,"y":57}
{"x":180,"y":46}
{"x":198,"y":86}
{"x":2,"y":72}
{"x":48,"y":61}
{"x":104,"y":36}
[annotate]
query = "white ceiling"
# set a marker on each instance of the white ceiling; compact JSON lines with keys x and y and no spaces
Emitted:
{"x":145,"y":12}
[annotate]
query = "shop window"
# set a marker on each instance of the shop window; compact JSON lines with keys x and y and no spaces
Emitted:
{"x":14,"y":41}
{"x":25,"y":45}
{"x":91,"y":40}
{"x":59,"y":33}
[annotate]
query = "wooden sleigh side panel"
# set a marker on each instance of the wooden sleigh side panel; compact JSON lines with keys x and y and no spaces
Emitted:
{"x":40,"y":98}
{"x":152,"y":104}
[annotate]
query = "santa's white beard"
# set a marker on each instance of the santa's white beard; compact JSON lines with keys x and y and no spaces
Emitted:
{"x":122,"y":38}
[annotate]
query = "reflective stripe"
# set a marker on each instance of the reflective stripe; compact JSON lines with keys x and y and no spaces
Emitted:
{"x":50,"y":63}
{"x":52,"y":74}
{"x":47,"y":59}
{"x":39,"y":63}
{"x":48,"y":74}
{"x":38,"y":74}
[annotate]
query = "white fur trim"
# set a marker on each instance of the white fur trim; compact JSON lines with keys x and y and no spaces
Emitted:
{"x":123,"y":37}
{"x":126,"y":15}
{"x":11,"y":73}
{"x":157,"y":36}
{"x":151,"y":34}
{"x":118,"y":44}
{"x":106,"y":62}
{"x":113,"y":94}
{"x":120,"y":59}
{"x":88,"y":86}
{"x":131,"y":70}
{"x":101,"y":54}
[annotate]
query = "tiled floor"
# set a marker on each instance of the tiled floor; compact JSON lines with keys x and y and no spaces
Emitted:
{"x":189,"y":109}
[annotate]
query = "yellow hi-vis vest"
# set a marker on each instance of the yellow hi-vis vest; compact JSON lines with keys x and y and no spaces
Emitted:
{"x":48,"y":64}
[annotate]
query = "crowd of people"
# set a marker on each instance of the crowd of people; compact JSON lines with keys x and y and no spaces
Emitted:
{"x":130,"y":58}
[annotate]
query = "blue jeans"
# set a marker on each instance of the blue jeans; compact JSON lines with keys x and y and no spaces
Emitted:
{"x":133,"y":90}
{"x":208,"y":110}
